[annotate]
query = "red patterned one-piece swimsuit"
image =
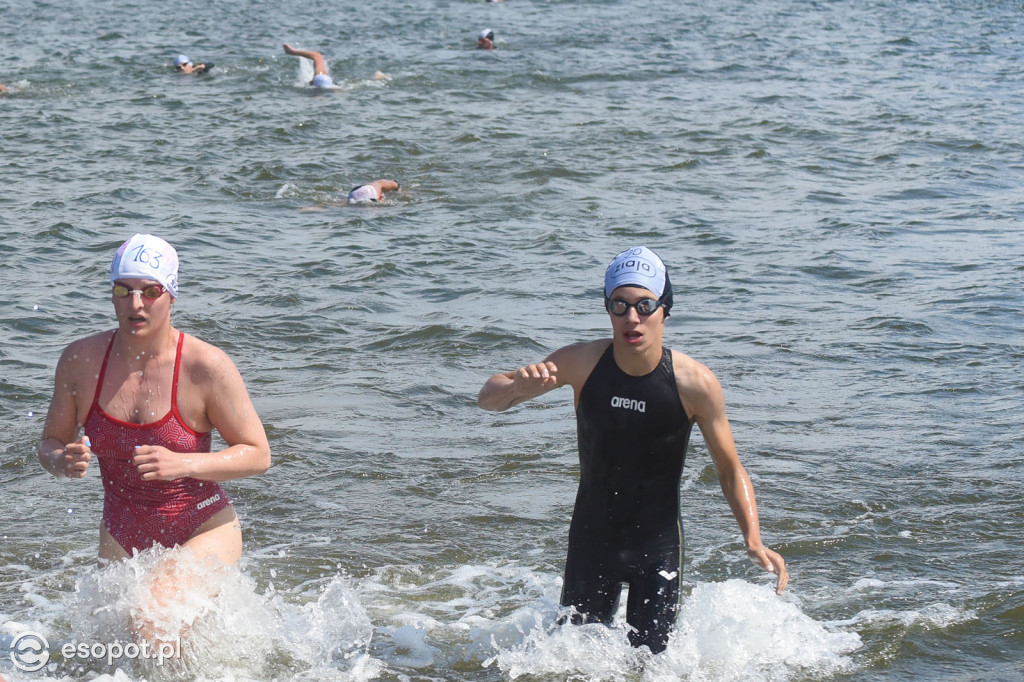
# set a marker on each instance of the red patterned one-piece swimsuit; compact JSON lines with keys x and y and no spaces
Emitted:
{"x":139,"y":514}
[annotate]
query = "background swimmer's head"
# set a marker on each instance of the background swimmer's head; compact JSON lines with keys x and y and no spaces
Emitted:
{"x":639,"y":267}
{"x":364,"y":194}
{"x":181,"y":61}
{"x":147,"y":257}
{"x":485,"y":40}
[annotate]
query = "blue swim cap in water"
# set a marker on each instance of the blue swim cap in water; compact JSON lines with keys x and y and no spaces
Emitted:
{"x":182,"y":59}
{"x":322,"y":80}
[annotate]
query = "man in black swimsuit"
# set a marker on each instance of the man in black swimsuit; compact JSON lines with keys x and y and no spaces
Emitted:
{"x":636,"y":402}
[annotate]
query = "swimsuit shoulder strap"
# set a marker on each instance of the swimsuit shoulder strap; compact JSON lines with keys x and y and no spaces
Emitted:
{"x":607,"y":360}
{"x":174,"y":390}
{"x":103,"y":372}
{"x":174,"y":381}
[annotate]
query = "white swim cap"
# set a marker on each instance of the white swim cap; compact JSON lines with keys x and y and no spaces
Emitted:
{"x":488,"y":34}
{"x":147,"y":257}
{"x":638,"y":266}
{"x":182,"y":59}
{"x":364,"y":194}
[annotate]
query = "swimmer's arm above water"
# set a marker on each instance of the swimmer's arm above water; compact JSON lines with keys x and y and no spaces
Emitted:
{"x":319,"y":65}
{"x":385,"y":185}
{"x":566,"y":366}
{"x":229,"y":410}
{"x":508,"y":389}
{"x":65,"y":461}
{"x":705,"y":401}
{"x":60,"y":450}
{"x":157,"y":463}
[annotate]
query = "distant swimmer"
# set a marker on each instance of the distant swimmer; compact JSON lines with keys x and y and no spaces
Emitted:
{"x":373,"y":192}
{"x":3,"y":88}
{"x":636,"y":402}
{"x":321,"y":78}
{"x":485,"y":41}
{"x":149,"y":397}
{"x":183,"y":64}
{"x":362,"y":195}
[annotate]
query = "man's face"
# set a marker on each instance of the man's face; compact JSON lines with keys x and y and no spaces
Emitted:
{"x":633,"y":330}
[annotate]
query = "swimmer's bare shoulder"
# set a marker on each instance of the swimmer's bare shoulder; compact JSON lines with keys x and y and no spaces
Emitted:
{"x":699,"y":388}
{"x":74,"y":383}
{"x":84,"y":356}
{"x":203,"y":362}
{"x":576,"y":361}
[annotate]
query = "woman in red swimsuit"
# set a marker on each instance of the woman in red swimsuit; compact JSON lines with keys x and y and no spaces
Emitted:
{"x":148,"y":397}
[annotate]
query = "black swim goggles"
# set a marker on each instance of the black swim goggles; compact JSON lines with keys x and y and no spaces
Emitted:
{"x":644,"y":307}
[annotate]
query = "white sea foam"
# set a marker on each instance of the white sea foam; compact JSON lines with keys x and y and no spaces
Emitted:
{"x":287,"y":190}
{"x":227,"y":629}
{"x":726,"y":631}
{"x":305,"y":71}
{"x":934,"y":616}
{"x":504,"y":617}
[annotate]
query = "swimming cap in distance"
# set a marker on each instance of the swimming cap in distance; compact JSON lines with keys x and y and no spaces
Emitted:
{"x":322,"y":80}
{"x":364,"y":194}
{"x":639,"y":266}
{"x":147,"y":257}
{"x":487,"y":34}
{"x":181,"y":60}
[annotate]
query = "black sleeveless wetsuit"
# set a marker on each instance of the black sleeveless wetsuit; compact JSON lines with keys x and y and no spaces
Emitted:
{"x":632,"y":433}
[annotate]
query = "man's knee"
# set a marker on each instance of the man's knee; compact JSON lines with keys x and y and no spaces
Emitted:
{"x":655,"y":639}
{"x":580,"y":618}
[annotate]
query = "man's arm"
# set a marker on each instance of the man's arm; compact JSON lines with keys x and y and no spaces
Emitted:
{"x":507,"y":389}
{"x":570,"y":365}
{"x":703,"y":396}
{"x":319,"y":66}
{"x":384,"y":185}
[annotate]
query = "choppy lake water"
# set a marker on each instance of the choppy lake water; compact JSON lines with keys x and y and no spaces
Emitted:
{"x":835,"y":187}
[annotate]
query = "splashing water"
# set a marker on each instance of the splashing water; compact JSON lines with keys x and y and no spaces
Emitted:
{"x":218,"y":627}
{"x":726,"y":631}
